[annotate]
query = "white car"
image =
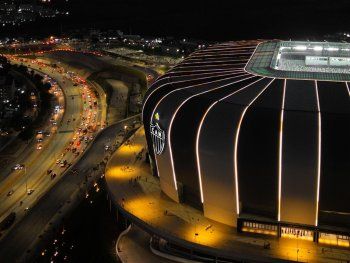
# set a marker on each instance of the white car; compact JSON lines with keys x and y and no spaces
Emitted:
{"x":18,"y":167}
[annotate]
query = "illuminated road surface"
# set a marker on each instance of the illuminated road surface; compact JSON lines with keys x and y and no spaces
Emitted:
{"x":37,"y":162}
{"x":27,"y":231}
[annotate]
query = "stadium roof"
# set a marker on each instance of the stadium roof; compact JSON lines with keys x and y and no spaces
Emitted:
{"x":266,"y":54}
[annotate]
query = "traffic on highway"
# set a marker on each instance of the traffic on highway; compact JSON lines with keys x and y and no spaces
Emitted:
{"x":73,"y":123}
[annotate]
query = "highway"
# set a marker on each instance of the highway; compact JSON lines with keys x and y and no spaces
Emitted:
{"x":38,"y":162}
{"x":27,"y":231}
{"x":42,"y":205}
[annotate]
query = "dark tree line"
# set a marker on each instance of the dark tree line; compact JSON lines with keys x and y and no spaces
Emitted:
{"x":43,"y":106}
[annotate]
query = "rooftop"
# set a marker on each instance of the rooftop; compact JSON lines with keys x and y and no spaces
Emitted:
{"x":329,"y":61}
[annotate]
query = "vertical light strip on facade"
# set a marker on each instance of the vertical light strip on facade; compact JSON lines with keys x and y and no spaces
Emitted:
{"x":347,"y":86}
{"x":197,"y":151}
{"x":224,"y":72}
{"x":235,"y":155}
{"x":222,"y":75}
{"x":318,"y":153}
{"x":173,"y":117}
{"x":200,"y":129}
{"x":280,"y":148}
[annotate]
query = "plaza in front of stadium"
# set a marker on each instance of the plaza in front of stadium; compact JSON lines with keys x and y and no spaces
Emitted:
{"x":244,"y":155}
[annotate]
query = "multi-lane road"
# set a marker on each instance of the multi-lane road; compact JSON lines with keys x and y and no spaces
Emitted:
{"x":41,"y":207}
{"x":77,"y":127}
{"x":14,"y":246}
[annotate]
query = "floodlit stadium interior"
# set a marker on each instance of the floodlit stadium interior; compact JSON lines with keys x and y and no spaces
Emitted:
{"x":313,"y":57}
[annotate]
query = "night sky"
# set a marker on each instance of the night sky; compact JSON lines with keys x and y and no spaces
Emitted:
{"x":211,"y":20}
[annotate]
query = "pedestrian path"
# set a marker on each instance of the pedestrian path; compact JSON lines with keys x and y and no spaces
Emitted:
{"x":133,"y":247}
{"x":133,"y":188}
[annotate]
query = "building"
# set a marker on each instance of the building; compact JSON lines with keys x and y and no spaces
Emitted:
{"x":256,"y":136}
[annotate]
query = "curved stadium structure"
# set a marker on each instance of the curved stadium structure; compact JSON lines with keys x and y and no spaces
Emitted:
{"x":257,"y":136}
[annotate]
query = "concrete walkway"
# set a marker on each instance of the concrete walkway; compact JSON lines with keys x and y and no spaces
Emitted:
{"x":138,"y":193}
{"x":133,"y":247}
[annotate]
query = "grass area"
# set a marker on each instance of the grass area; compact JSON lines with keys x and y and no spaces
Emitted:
{"x":141,"y":76}
{"x":107,"y":88}
{"x":130,"y":72}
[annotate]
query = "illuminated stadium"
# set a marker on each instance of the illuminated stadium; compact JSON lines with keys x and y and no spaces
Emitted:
{"x":255,"y":135}
{"x":313,"y":57}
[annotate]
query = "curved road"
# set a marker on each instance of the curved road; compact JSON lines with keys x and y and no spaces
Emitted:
{"x":19,"y":240}
{"x":37,"y":162}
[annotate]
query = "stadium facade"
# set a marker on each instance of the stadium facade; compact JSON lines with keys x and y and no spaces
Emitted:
{"x":257,"y":137}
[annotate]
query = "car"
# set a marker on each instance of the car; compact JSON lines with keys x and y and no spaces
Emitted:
{"x":53,"y":175}
{"x":106,"y":147}
{"x":63,"y":163}
{"x":58,"y":161}
{"x":39,"y":147}
{"x":18,"y":167}
{"x":39,"y":132}
{"x":30,"y":191}
{"x":47,"y":134}
{"x":39,"y":140}
{"x":10,"y":192}
{"x":49,"y":171}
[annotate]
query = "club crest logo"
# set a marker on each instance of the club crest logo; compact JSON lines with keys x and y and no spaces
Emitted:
{"x":158,"y":138}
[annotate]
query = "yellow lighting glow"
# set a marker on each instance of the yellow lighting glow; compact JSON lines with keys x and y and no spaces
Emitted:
{"x":260,"y":231}
{"x":291,"y":236}
{"x":340,"y":243}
